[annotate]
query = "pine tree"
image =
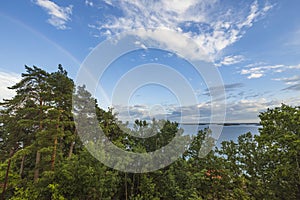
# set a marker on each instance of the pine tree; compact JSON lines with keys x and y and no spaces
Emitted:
{"x":62,"y":88}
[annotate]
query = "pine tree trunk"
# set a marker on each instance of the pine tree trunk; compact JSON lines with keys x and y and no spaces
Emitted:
{"x":38,"y":154}
{"x":6,"y":175}
{"x":72,"y":145}
{"x":22,"y":166}
{"x":37,"y":162}
{"x":71,"y":149}
{"x":54,"y":154}
{"x":53,"y":158}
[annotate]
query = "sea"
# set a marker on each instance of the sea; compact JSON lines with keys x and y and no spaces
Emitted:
{"x":229,"y":132}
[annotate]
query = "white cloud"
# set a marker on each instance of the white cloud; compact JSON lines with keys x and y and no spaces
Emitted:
{"x":289,"y":80}
{"x":258,"y":70}
{"x":59,"y":16}
{"x":231,"y":60}
{"x":254,"y":13}
{"x":142,"y":112}
{"x":255,"y":75}
{"x":211,"y":24}
{"x":247,"y":110}
{"x":7,"y":80}
{"x":173,"y":41}
{"x":293,"y":66}
{"x":243,"y":110}
{"x":109,"y":2}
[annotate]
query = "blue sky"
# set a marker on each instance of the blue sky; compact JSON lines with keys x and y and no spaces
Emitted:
{"x":254,"y":45}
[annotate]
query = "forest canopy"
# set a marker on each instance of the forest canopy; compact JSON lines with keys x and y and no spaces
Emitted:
{"x":42,"y":156}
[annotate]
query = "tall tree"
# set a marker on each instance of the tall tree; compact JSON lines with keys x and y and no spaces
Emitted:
{"x":62,"y":88}
{"x":280,"y":140}
{"x":32,"y":94}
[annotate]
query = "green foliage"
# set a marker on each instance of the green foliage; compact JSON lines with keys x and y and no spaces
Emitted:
{"x":28,"y":193}
{"x":48,"y":160}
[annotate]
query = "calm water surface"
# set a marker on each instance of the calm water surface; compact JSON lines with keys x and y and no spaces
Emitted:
{"x":228,"y":132}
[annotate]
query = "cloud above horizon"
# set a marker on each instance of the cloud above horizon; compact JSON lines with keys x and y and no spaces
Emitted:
{"x":7,"y":79}
{"x":289,"y":80}
{"x":208,"y":24}
{"x":257,"y":70}
{"x":292,"y":82}
{"x":243,"y":110}
{"x":230,"y":60}
{"x":59,"y":16}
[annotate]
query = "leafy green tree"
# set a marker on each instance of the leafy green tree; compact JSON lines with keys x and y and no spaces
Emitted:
{"x":39,"y":113}
{"x":279,"y":140}
{"x":43,"y":157}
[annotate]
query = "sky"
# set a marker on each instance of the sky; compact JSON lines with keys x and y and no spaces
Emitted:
{"x":187,"y":53}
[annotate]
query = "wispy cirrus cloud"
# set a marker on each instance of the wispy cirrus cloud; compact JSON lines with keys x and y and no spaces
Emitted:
{"x":59,"y":16}
{"x":211,"y":24}
{"x":289,"y":80}
{"x":243,"y":110}
{"x":227,"y":87}
{"x":258,"y":70}
{"x":230,"y":60}
{"x":295,"y":87}
{"x":293,"y":82}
